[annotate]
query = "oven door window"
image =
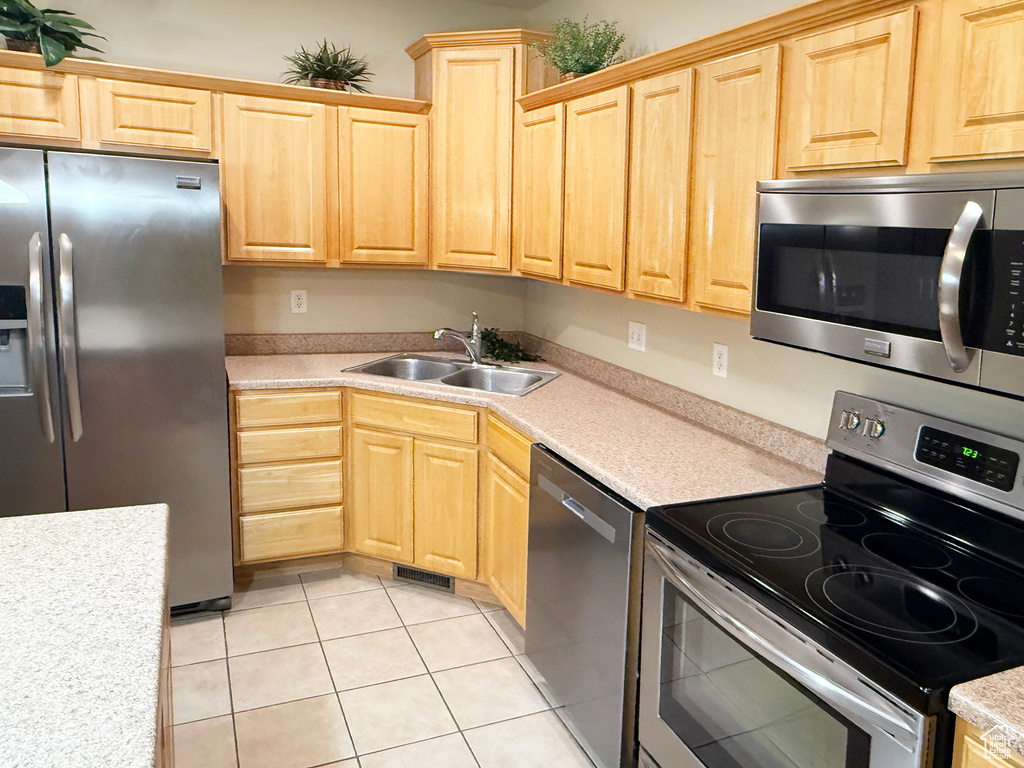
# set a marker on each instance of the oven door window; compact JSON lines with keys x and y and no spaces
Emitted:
{"x":734,"y":710}
{"x":879,"y":278}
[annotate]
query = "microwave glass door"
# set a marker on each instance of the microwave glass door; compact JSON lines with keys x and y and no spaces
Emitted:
{"x":878,"y":278}
{"x":732,"y":709}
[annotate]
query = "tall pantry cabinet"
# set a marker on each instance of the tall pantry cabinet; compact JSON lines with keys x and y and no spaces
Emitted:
{"x":472,"y":80}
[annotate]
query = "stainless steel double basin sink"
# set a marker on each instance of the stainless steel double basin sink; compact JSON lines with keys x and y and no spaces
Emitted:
{"x":500,"y":379}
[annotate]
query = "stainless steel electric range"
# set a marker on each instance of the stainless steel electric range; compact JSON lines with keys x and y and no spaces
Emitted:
{"x":824,"y":626}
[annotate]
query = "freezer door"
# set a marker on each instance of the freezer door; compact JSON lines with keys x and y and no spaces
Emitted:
{"x":140,"y":321}
{"x":31,"y":460}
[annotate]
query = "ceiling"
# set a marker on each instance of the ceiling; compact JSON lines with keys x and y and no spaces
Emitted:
{"x":524,"y":5}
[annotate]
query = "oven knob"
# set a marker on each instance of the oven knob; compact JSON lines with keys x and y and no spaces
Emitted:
{"x":874,"y":428}
{"x":849,"y":420}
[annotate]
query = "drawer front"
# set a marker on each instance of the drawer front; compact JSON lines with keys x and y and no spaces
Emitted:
{"x":283,"y":486}
{"x":291,"y":534}
{"x":155,"y":116}
{"x":509,"y":445}
{"x":285,"y":409}
{"x":419,"y":418}
{"x":288,"y":444}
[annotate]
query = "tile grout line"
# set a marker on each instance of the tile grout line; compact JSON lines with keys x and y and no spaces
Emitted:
{"x":231,"y":698}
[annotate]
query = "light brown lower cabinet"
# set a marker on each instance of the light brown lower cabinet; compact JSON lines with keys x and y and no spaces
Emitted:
{"x":973,"y":749}
{"x":506,"y":513}
{"x":381,"y":499}
{"x":444,"y":503}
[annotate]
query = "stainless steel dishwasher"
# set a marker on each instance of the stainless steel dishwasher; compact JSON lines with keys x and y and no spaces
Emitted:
{"x":583,"y":604}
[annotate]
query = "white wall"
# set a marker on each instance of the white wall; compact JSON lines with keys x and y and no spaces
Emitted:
{"x":256,"y":300}
{"x":787,"y":386}
{"x":248,"y":38}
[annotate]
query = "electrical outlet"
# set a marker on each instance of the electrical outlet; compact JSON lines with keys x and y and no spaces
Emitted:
{"x":637,"y":338}
{"x":299,"y":302}
{"x":720,"y":361}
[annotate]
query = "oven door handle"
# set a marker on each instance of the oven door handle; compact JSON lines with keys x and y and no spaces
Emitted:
{"x":950,"y":274}
{"x":887,"y":718}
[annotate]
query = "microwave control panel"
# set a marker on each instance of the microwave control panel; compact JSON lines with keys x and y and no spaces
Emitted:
{"x":1004,"y":330}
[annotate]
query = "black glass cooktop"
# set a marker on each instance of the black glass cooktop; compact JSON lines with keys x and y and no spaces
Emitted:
{"x":917,"y":590}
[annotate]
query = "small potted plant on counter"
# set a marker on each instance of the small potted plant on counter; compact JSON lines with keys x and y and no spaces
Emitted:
{"x":48,"y":31}
{"x":328,"y":67}
{"x":578,"y":48}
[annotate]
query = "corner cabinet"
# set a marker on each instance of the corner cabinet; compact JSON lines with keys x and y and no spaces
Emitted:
{"x":737,"y":123}
{"x":274,"y":180}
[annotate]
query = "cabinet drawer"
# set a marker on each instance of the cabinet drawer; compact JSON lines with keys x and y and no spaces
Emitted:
{"x":288,"y":444}
{"x":509,"y":445}
{"x":429,"y":419}
{"x":277,"y":409}
{"x":288,"y":534}
{"x":150,"y":115}
{"x":281,"y":486}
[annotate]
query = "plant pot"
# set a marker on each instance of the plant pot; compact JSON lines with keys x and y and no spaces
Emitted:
{"x":323,"y":82}
{"x":27,"y":46}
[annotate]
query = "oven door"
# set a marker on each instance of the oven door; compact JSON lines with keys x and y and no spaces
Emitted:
{"x":723,"y":684}
{"x":893,"y":279}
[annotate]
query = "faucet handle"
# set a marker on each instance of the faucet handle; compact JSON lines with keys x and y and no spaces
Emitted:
{"x":476,"y":325}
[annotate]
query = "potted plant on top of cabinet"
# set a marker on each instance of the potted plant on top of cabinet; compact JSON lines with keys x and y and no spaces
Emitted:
{"x":48,"y":31}
{"x":578,"y":48}
{"x":328,"y":67}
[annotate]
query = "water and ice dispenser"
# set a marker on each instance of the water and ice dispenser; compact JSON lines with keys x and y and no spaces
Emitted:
{"x":14,"y":370}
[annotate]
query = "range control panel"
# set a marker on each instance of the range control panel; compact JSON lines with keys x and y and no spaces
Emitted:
{"x":976,"y":464}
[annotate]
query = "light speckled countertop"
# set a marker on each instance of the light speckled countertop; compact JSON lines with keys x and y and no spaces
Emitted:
{"x":81,"y":621}
{"x":643,"y":453}
{"x":996,"y":700}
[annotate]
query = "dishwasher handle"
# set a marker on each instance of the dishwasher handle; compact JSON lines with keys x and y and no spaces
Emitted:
{"x":583,"y":513}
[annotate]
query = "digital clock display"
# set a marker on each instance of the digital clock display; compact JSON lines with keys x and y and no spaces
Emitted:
{"x":986,"y":464}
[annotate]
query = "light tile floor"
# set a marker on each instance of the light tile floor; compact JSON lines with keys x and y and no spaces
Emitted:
{"x":336,"y":669}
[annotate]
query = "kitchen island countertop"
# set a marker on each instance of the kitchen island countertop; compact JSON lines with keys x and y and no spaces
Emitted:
{"x":645,"y":454}
{"x":82,"y":603}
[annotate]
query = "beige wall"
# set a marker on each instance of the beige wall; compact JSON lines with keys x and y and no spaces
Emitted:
{"x":257,"y":300}
{"x":247,"y":38}
{"x":788,"y":386}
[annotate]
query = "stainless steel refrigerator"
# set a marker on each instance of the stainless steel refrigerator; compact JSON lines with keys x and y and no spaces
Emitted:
{"x":112,"y":384}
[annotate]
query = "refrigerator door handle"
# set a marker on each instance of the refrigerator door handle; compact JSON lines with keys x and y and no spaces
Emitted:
{"x":36,"y":340}
{"x":69,"y":335}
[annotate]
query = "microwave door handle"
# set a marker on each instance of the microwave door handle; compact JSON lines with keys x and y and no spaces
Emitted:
{"x":950,"y":274}
{"x":814,"y":681}
{"x":36,"y":339}
{"x":68,"y":329}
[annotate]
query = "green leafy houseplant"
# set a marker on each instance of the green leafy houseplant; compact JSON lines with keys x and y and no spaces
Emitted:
{"x":496,"y":348}
{"x":328,"y":67}
{"x":49,"y":31}
{"x":579,"y":48}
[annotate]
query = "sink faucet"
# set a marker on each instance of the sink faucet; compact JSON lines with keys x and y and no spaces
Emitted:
{"x":473,"y":342}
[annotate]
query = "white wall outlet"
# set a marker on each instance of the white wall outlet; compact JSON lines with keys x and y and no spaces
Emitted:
{"x":299,"y":303}
{"x":637,"y":336}
{"x":720,"y":361}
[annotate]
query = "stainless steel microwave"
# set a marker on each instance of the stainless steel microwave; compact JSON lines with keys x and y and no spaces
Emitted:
{"x":917,"y":273}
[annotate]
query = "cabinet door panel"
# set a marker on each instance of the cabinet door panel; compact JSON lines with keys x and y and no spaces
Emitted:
{"x":383,"y":172}
{"x":40,"y":105}
{"x":445,"y":503}
{"x":737,"y":118}
{"x":849,"y":95}
{"x":540,"y":149}
{"x":659,"y":185}
{"x":506,"y":506}
{"x":979,"y":98}
{"x":596,"y":145}
{"x":149,"y":115}
{"x":472,"y":159}
{"x":381,"y":495}
{"x":274,"y":179}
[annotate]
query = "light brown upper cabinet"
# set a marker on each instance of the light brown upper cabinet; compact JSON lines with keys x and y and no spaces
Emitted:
{"x":472,"y":159}
{"x":147,"y":115}
{"x":847,"y":94}
{"x":979,"y":96}
{"x":537,"y":213}
{"x":596,"y":153}
{"x":384,"y":192}
{"x":39,"y":105}
{"x":737,"y":124}
{"x":274,"y":180}
{"x":659,"y":183}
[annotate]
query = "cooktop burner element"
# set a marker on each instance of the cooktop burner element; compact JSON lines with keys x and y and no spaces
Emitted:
{"x":999,"y":595}
{"x":834,"y":513}
{"x":906,"y":550}
{"x":763,"y":535}
{"x":890,"y":604}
